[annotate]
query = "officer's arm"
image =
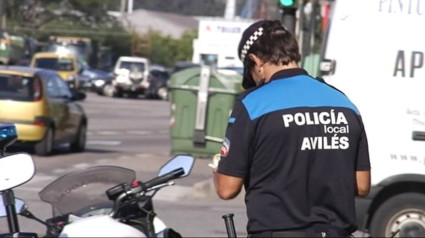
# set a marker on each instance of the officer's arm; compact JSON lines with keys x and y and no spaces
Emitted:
{"x":363,"y":183}
{"x":227,"y":187}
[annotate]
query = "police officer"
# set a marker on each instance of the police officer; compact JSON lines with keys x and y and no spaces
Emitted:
{"x":296,"y":144}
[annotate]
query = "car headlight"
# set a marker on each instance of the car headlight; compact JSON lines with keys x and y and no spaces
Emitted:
{"x":72,"y":78}
{"x":99,"y":83}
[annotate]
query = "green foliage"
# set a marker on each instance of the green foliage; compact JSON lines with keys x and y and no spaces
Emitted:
{"x":166,"y":50}
{"x":84,"y":18}
{"x":184,"y":7}
{"x":121,"y":44}
{"x":89,"y":18}
{"x":39,"y":18}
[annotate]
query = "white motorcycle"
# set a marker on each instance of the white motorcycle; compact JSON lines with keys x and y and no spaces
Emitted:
{"x":82,"y":208}
{"x":100,"y":201}
{"x":15,"y":170}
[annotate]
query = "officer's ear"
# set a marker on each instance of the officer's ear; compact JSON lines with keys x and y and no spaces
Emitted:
{"x":247,"y":81}
{"x":258,"y":62}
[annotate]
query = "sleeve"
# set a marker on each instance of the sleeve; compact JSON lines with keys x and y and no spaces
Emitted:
{"x":235,"y":151}
{"x":363,"y":161}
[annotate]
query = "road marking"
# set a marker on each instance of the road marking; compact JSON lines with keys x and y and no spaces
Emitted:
{"x":103,"y":142}
{"x":131,"y":132}
{"x":172,"y":193}
{"x":81,"y":165}
{"x":108,"y":132}
{"x":139,"y":132}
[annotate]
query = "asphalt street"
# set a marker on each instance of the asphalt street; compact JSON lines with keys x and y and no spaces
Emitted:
{"x":134,"y":133}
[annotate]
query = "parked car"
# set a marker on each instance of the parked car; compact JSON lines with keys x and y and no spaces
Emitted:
{"x":104,"y":86}
{"x":65,"y":64}
{"x":43,"y":108}
{"x":158,"y":87}
{"x":131,"y":76}
{"x":95,"y":79}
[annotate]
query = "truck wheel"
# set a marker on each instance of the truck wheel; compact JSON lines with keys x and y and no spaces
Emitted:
{"x":80,"y":141}
{"x":45,"y":146}
{"x":404,"y":212}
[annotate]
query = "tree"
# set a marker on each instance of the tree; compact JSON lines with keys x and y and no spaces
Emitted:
{"x":166,"y":50}
{"x":33,"y":17}
{"x":187,"y":7}
{"x":84,"y":18}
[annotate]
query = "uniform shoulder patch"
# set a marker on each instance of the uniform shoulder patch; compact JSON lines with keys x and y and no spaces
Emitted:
{"x":225,"y":147}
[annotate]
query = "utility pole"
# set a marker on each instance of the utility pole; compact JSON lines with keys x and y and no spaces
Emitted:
{"x":229,"y":12}
{"x":122,"y":11}
{"x":130,"y":6}
{"x":3,"y":14}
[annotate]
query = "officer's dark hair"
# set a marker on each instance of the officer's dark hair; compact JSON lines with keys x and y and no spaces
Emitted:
{"x":276,"y":45}
{"x":269,"y":41}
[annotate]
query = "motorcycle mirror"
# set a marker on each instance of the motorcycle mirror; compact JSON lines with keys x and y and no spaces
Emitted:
{"x":8,"y":135}
{"x":16,"y":170}
{"x":20,"y":206}
{"x":180,"y":161}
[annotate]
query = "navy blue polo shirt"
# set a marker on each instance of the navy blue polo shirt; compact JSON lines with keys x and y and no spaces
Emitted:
{"x":297,"y":142}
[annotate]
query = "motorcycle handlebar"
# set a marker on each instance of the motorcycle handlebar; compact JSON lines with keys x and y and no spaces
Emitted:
{"x":164,"y":178}
{"x":144,"y":187}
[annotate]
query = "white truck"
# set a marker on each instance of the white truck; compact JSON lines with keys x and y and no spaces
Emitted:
{"x":217,"y":42}
{"x":132,"y":76}
{"x":374,"y":53}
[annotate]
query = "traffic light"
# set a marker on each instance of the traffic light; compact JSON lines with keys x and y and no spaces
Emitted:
{"x":287,"y":3}
{"x":287,"y":9}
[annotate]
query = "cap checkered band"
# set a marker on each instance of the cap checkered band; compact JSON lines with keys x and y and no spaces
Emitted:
{"x":250,"y":42}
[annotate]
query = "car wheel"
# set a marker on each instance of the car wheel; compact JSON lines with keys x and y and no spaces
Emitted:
{"x":404,"y":213}
{"x":108,"y":90}
{"x":118,"y":93}
{"x":80,"y":141}
{"x":162,"y":93}
{"x":45,"y":146}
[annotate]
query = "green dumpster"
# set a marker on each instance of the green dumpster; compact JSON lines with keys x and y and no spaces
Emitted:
{"x":202,"y":99}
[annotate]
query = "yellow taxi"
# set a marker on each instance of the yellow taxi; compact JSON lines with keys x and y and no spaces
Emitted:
{"x":64,"y":63}
{"x":43,"y":108}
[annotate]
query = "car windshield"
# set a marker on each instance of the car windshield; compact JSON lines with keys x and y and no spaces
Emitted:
{"x":133,"y":66}
{"x":59,"y":64}
{"x":18,"y":88}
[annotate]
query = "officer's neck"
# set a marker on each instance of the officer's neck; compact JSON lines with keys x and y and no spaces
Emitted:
{"x":270,"y":69}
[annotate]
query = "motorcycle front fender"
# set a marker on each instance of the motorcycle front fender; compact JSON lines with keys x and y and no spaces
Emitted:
{"x":99,"y":226}
{"x":159,"y":225}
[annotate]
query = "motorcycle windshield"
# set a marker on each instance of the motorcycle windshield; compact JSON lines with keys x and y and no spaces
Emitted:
{"x":85,"y":188}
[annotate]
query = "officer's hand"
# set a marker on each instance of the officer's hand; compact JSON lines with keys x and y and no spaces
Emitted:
{"x":214,"y":161}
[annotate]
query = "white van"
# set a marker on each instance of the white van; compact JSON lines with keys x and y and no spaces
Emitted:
{"x":131,"y":75}
{"x":374,"y":53}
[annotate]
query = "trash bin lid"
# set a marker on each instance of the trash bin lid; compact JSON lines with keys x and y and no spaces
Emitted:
{"x":222,"y":80}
